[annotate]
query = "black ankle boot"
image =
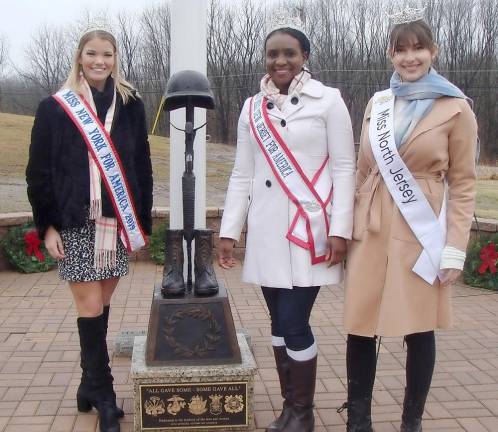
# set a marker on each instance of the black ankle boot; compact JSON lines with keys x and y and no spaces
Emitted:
{"x":97,"y":391}
{"x":205,"y":278}
{"x":413,"y":409}
{"x":83,"y":387}
{"x":173,"y":283}
{"x":303,"y":378}
{"x":359,"y":415}
{"x":282,"y":362}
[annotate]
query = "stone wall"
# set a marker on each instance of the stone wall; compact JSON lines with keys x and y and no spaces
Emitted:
{"x":159,"y":214}
{"x":213,"y":218}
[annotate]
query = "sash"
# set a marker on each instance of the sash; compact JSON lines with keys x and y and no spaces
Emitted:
{"x":310,"y":226}
{"x":104,"y":154}
{"x":429,"y":229}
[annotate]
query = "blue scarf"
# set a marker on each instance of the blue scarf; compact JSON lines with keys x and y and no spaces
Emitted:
{"x":421,"y":95}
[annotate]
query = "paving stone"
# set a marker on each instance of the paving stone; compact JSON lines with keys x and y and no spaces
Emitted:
{"x":39,"y":357}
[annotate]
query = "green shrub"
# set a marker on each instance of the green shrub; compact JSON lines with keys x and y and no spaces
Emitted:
{"x":156,"y":245}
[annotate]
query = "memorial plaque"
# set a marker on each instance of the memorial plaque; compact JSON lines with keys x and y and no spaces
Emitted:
{"x":191,"y":330}
{"x":193,"y":405}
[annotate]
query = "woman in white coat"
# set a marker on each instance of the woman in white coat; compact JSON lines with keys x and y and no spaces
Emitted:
{"x":294,"y":180}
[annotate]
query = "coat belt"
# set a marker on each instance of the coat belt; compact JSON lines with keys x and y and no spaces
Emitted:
{"x":375,"y":202}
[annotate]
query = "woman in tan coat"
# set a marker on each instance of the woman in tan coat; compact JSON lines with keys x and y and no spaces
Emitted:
{"x":413,"y":209}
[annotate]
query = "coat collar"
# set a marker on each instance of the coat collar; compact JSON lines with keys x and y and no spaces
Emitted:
{"x":443,"y":110}
{"x":312,"y":88}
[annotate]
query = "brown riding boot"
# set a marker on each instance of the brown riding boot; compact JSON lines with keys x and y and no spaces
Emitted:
{"x":282,"y":362}
{"x":303,"y":378}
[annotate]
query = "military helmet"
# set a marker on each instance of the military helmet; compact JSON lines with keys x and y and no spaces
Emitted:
{"x":188,"y":87}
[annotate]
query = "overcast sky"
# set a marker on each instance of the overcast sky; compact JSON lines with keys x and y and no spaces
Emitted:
{"x":20,"y":18}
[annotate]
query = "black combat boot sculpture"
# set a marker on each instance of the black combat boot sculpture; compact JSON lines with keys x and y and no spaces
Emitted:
{"x":205,"y":278}
{"x":173,"y":284}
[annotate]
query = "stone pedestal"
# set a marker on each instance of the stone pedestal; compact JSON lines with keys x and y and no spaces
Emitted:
{"x":193,"y":398}
{"x":191,"y":330}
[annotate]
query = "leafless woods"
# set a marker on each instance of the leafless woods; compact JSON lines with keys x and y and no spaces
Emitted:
{"x":348,"y":39}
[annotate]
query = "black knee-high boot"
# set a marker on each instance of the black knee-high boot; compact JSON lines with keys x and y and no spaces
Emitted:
{"x":118,"y":411}
{"x":98,"y":392}
{"x":420,"y":360}
{"x":83,"y":387}
{"x":282,"y":362}
{"x":361,"y":364}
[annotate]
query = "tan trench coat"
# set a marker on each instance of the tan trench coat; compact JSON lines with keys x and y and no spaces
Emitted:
{"x":382,"y":295}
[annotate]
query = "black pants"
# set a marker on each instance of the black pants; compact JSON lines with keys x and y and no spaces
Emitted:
{"x":361,"y":364}
{"x":290,"y":311}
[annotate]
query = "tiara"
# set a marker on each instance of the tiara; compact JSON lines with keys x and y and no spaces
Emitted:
{"x":407,"y":15}
{"x":282,"y":17}
{"x":97,"y":23}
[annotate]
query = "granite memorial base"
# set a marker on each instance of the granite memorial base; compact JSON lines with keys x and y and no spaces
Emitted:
{"x":205,"y":398}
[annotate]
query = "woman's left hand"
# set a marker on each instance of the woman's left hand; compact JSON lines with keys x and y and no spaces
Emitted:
{"x":337,"y":250}
{"x":448,"y":276}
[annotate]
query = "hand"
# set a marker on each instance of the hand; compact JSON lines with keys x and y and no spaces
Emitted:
{"x":225,"y":253}
{"x":53,"y":243}
{"x":448,"y":276}
{"x":337,"y":250}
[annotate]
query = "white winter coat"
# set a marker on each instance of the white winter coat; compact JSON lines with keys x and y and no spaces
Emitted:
{"x":314,"y":124}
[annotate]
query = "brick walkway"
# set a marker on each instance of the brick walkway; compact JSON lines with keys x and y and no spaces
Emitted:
{"x":39,"y":357}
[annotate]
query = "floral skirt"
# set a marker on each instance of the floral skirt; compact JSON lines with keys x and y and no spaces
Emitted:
{"x":79,"y":245}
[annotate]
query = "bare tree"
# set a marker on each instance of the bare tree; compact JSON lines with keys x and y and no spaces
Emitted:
{"x":128,"y":42}
{"x":153,"y":57}
{"x":48,"y":58}
{"x":234,"y":60}
{"x":3,"y":59}
{"x":3,"y":52}
{"x":348,"y":51}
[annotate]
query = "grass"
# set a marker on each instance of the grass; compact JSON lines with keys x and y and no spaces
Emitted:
{"x":15,"y":133}
{"x":487,"y":199}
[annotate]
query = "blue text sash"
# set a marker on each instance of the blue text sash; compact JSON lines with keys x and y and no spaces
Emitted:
{"x":104,"y":154}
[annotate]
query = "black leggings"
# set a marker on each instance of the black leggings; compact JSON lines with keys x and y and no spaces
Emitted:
{"x":361,"y":364}
{"x":290,"y":311}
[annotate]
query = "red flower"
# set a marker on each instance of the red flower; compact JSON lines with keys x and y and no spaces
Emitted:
{"x":33,"y":245}
{"x":489,"y":256}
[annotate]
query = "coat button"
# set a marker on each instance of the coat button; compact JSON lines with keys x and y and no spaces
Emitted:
{"x":268,"y":183}
{"x":270,"y":105}
{"x":283,"y":123}
{"x":294,"y":100}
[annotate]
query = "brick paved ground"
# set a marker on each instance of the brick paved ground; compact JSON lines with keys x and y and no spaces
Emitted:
{"x":39,"y":357}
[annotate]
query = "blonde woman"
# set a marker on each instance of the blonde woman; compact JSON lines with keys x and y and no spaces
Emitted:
{"x":89,"y":182}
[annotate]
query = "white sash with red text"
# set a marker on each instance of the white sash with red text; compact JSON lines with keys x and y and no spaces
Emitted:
{"x":102,"y":149}
{"x":429,"y":229}
{"x":310,"y":226}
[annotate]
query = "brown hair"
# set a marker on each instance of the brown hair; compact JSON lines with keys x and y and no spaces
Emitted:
{"x":403,"y":34}
{"x":123,"y":87}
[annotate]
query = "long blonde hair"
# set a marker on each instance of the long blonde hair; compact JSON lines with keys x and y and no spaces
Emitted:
{"x":123,"y":87}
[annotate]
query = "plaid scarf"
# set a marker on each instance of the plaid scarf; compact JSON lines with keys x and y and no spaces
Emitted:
{"x":272,"y":93}
{"x":106,"y":229}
